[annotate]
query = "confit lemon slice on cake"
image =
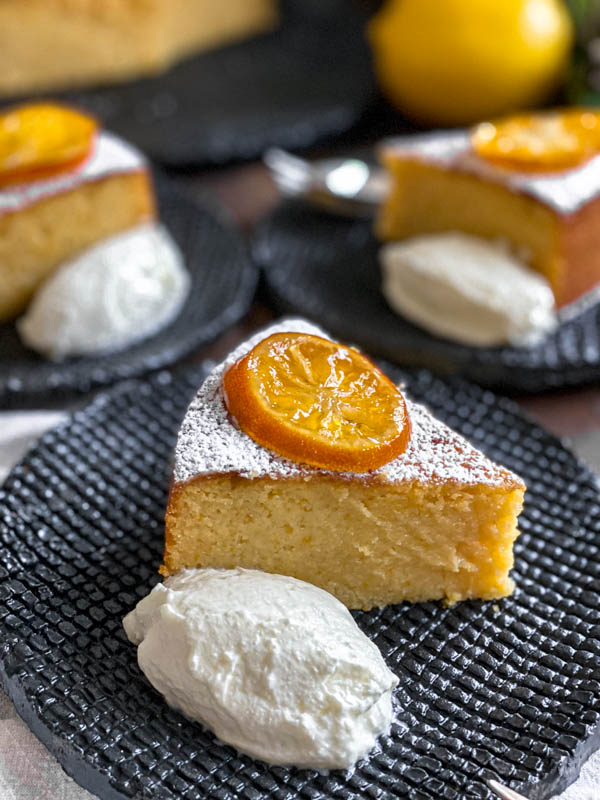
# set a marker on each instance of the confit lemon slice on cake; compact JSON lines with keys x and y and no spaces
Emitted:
{"x":42,"y":139}
{"x":314,"y":401}
{"x":539,"y":142}
{"x":436,"y":521}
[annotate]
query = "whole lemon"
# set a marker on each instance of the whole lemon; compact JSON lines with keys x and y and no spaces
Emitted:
{"x":453,"y":62}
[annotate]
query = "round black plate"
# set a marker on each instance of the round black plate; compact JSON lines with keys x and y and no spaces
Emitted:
{"x":223,"y":285}
{"x":327,"y":269}
{"x":509,"y":689}
{"x":309,"y":79}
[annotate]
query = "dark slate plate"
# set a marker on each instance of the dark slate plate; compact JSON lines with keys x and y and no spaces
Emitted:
{"x":327,"y":269}
{"x":223,"y":285}
{"x":509,"y":689}
{"x":309,"y":79}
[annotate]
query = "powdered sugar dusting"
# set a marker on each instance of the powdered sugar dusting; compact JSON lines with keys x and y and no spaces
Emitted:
{"x":565,"y":191}
{"x":111,"y":156}
{"x":210,"y":443}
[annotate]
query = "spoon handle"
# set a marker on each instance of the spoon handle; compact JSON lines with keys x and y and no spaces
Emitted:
{"x":504,"y":792}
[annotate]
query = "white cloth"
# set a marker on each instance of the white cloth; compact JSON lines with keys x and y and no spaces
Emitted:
{"x":19,"y":430}
{"x":27,"y":770}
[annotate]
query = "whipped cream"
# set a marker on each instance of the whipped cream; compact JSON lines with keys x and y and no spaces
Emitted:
{"x":467,"y":289}
{"x":117,"y":292}
{"x":272,"y":665}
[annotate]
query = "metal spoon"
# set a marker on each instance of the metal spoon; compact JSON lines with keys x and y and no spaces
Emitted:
{"x":346,"y":186}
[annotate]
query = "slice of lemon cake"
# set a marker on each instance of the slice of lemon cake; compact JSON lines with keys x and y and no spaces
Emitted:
{"x":438,"y":520}
{"x":532,"y":181}
{"x":64,"y":185}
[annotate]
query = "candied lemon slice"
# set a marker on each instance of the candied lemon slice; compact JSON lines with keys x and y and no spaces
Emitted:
{"x":42,"y":139}
{"x":315,"y":401}
{"x":539,"y":142}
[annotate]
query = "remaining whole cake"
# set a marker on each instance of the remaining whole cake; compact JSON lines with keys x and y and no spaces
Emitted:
{"x":548,"y":212}
{"x":47,"y":220}
{"x":437,"y":521}
{"x":53,"y":44}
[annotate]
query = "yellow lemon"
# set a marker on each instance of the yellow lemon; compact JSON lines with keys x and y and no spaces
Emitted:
{"x":454,"y":62}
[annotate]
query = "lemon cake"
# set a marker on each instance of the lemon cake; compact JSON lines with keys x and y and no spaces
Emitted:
{"x":45,"y":222}
{"x":56,"y":44}
{"x":552,"y":219}
{"x":438,"y":521}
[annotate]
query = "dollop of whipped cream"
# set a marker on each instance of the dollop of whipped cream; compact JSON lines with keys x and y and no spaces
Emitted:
{"x":467,"y":289}
{"x":117,"y":292}
{"x":272,"y":665}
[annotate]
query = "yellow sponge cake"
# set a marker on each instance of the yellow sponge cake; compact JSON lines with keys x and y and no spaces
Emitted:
{"x":57,"y":44}
{"x":438,"y":521}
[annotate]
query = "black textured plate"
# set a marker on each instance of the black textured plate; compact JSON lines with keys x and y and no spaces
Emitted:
{"x":309,"y":79}
{"x":327,"y":269}
{"x":223,"y":285}
{"x":509,"y":689}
